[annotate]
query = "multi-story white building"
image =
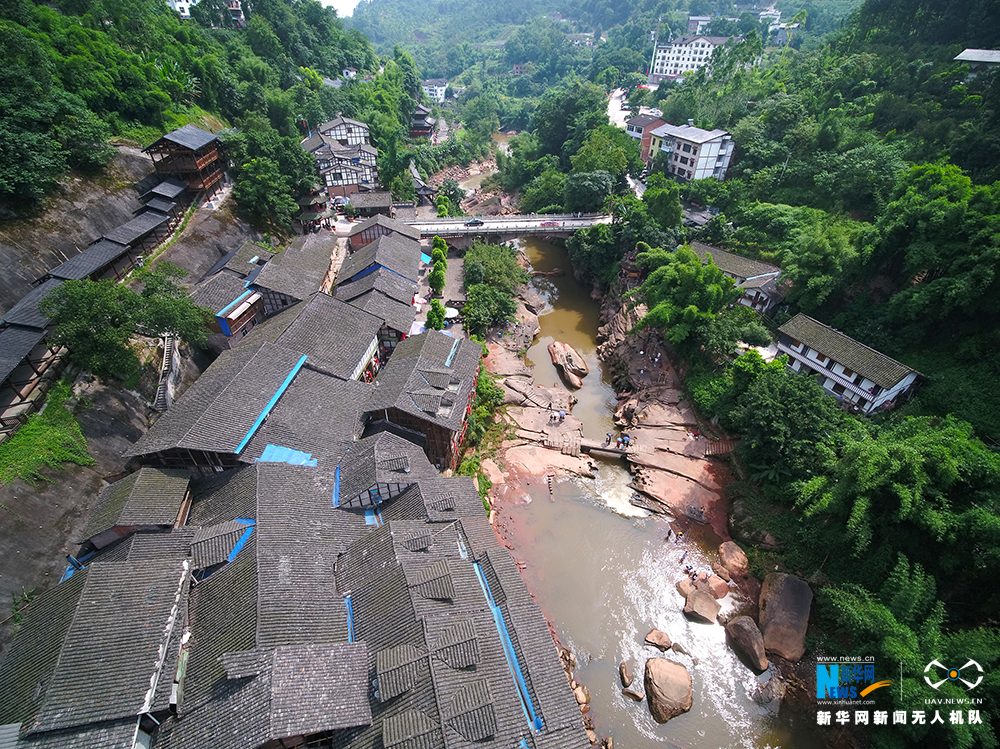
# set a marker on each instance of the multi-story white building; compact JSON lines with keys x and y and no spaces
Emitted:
{"x":182,"y":6}
{"x":636,"y":126}
{"x":673,"y":59}
{"x":694,"y":153}
{"x":867,"y":379}
{"x":697,"y":24}
{"x":435,"y":89}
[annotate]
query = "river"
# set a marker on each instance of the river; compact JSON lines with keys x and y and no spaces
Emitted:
{"x":604,"y":575}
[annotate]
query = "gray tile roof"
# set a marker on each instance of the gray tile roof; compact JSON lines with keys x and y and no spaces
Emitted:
{"x":170,"y":188}
{"x":157,"y":204}
{"x":382,"y":199}
{"x":25,"y":312}
{"x":34,"y":651}
{"x":733,"y":264}
{"x":318,"y":414}
{"x":218,"y":291}
{"x":90,"y":260}
{"x":297,"y":271}
{"x":224,"y":496}
{"x":150,"y":496}
{"x":172,"y":545}
{"x":383,"y":458}
{"x":388,"y":223}
{"x":397,"y":315}
{"x":16,"y":342}
{"x":239,"y":260}
{"x":188,"y":136}
{"x":429,"y":376}
{"x":334,"y":334}
{"x":213,"y":544}
{"x":642,"y":120}
{"x":866,"y":361}
{"x":221,"y":408}
{"x":341,"y":120}
{"x":391,"y":251}
{"x":124,"y":621}
{"x":134,"y":230}
{"x":688,"y":133}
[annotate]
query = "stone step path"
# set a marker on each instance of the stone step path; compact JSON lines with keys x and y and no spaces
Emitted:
{"x":720,"y":447}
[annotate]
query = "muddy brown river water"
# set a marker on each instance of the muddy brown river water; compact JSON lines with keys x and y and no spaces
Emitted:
{"x":604,"y":576}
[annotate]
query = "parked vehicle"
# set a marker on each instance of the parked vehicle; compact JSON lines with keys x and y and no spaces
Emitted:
{"x":474,"y":222}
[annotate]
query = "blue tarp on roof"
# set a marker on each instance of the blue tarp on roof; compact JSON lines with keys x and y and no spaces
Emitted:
{"x":278,"y":454}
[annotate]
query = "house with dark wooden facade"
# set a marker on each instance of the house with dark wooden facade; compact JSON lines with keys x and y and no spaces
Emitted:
{"x":377,"y":226}
{"x":226,"y":291}
{"x":295,"y":273}
{"x":428,"y":388}
{"x":345,"y":132}
{"x":422,"y":124}
{"x":862,"y":378}
{"x":192,"y":155}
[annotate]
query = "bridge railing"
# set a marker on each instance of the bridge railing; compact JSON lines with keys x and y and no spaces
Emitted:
{"x":511,"y":217}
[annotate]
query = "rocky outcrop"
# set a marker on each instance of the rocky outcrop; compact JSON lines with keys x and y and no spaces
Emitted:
{"x":625,"y":672}
{"x":569,"y":362}
{"x":582,"y":694}
{"x":747,"y":640}
{"x":658,"y":639}
{"x":785,"y":601}
{"x":634,"y":695}
{"x":771,"y":694}
{"x":734,"y":559}
{"x":668,"y":689}
{"x":701,"y":606}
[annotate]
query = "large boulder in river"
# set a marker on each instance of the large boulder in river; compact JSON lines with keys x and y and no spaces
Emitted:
{"x":701,"y":606}
{"x":658,"y":639}
{"x":785,"y":601}
{"x":668,"y":689}
{"x":569,"y":362}
{"x":748,"y":641}
{"x":734,"y":559}
{"x":625,"y":672}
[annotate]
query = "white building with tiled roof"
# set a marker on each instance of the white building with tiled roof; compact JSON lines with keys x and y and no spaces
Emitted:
{"x":693,"y":153}
{"x":867,"y":379}
{"x":757,"y":280}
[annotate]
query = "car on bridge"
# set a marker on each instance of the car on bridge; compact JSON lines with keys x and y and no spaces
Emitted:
{"x":474,"y":222}
{"x":550,"y":223}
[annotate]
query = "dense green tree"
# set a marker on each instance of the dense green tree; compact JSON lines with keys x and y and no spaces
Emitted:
{"x":682,"y":294}
{"x":587,"y":191}
{"x":662,"y":197}
{"x":487,"y":306}
{"x":264,"y":194}
{"x":494,"y":265}
{"x":97,"y":320}
{"x":435,"y":315}
{"x":547,"y":189}
{"x":436,"y":279}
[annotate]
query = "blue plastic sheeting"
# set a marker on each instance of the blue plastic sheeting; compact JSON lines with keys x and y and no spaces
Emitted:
{"x":336,"y":487}
{"x":370,"y":518}
{"x":70,"y":569}
{"x":451,"y":354}
{"x":278,"y":454}
{"x":224,"y":310}
{"x":350,"y":619}
{"x":270,"y":403}
{"x":425,"y":258}
{"x":245,"y":521}
{"x":239,"y":544}
{"x":508,"y":650}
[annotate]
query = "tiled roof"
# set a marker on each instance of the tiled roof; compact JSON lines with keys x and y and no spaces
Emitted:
{"x":157,"y":204}
{"x":91,"y":260}
{"x":188,"y":136}
{"x":221,"y":409}
{"x":389,"y":223}
{"x":297,"y":271}
{"x":334,"y":334}
{"x":979,"y":55}
{"x":688,"y":133}
{"x":336,"y":121}
{"x":642,"y":120}
{"x":372,"y":199}
{"x":866,"y":361}
{"x":16,"y":343}
{"x":383,"y":458}
{"x":238,"y":260}
{"x":212,"y":545}
{"x":34,"y":651}
{"x":318,"y":414}
{"x":124,"y":622}
{"x":430,"y":376}
{"x":390,"y":284}
{"x":391,"y":251}
{"x":150,"y":496}
{"x":218,"y":291}
{"x":224,"y":496}
{"x":170,"y":187}
{"x":134,"y":230}
{"x":397,"y":315}
{"x":25,"y":312}
{"x":733,"y":264}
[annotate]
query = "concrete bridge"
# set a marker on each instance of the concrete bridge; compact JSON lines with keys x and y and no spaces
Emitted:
{"x":457,"y":231}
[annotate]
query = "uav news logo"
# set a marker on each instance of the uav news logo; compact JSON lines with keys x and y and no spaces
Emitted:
{"x":952,"y":674}
{"x":847,"y":679}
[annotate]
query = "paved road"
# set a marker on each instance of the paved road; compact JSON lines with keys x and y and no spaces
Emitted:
{"x":517,"y":224}
{"x":615,"y":112}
